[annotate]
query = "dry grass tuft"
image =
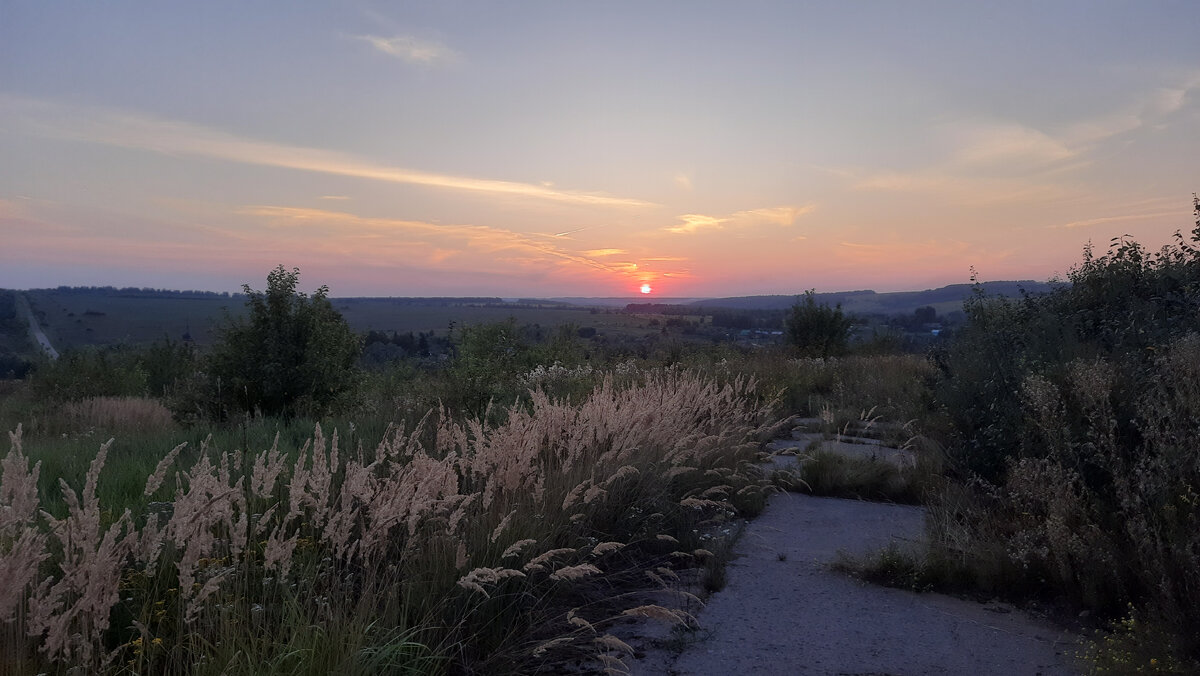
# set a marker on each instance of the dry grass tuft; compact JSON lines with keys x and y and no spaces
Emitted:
{"x":118,"y":414}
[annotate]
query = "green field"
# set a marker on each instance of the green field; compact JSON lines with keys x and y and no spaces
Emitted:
{"x":100,"y":319}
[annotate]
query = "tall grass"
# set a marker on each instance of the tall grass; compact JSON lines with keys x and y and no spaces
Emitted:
{"x":452,"y":545}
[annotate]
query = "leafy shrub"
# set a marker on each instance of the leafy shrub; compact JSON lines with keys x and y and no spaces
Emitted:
{"x":817,"y":330}
{"x":292,"y":354}
{"x":91,"y":372}
{"x":1076,"y":412}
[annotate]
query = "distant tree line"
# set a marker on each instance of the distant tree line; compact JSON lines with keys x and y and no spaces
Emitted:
{"x":728,"y":318}
{"x":426,"y":301}
{"x":142,"y":292}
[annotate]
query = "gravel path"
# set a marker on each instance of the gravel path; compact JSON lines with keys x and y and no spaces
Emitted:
{"x":784,"y":612}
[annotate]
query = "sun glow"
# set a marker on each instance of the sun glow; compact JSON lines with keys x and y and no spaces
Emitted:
{"x":646,"y":288}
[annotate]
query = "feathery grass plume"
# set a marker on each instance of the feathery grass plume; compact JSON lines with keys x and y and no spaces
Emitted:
{"x":515,"y":548}
{"x":160,"y":471}
{"x":71,"y":614}
{"x":610,"y":642}
{"x":677,"y":471}
{"x":700,"y":504}
{"x":478,"y":577}
{"x":571,"y":573}
{"x":268,"y":465}
{"x":606,"y":547}
{"x":461,"y":557}
{"x":667,"y":538}
{"x":206,"y":519}
{"x":499,"y":530}
{"x":22,"y":544}
{"x":539,"y":562}
{"x":577,"y":621}
{"x":624,"y":472}
{"x":576,"y":494}
{"x":456,"y":517}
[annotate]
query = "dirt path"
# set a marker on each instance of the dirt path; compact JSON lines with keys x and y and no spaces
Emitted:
{"x":784,"y":611}
{"x":35,"y":329}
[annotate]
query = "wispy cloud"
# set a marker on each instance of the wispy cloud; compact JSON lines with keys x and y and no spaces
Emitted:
{"x":1128,"y":217}
{"x":683,"y":181}
{"x":334,"y":197}
{"x":463,"y":239}
{"x":600,"y":253}
{"x":773,"y":215}
{"x":786,"y":215}
{"x":1006,"y":143}
{"x":126,"y":130}
{"x":991,"y":162}
{"x":1146,"y":109}
{"x":692,"y":223}
{"x":410,"y":49}
{"x":975,"y":191}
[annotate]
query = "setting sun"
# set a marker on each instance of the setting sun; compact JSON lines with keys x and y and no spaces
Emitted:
{"x":646,"y":288}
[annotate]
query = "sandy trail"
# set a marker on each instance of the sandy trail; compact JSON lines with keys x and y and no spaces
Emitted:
{"x":784,"y":611}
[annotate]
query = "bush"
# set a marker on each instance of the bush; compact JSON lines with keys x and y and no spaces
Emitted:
{"x":817,"y":330}
{"x":1078,"y":410}
{"x":292,"y":354}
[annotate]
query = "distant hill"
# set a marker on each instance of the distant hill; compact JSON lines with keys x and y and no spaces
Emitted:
{"x":944,"y":299}
{"x":620,"y":302}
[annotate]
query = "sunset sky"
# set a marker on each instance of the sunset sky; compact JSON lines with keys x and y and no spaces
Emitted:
{"x":588,"y":148}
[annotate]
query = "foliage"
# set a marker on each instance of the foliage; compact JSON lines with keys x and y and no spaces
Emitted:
{"x":91,"y":372}
{"x":817,"y":330}
{"x":498,"y":363}
{"x":1076,"y":413}
{"x":293,"y":354}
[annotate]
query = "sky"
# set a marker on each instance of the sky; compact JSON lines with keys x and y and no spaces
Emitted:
{"x":546,"y":149}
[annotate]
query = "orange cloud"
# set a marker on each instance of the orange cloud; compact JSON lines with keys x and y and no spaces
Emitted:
{"x":787,"y":215}
{"x":460,"y":240}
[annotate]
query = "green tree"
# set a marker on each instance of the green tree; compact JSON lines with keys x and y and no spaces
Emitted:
{"x":291,"y":355}
{"x":817,"y":330}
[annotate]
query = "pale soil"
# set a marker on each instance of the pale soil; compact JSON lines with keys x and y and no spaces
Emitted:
{"x":784,"y":611}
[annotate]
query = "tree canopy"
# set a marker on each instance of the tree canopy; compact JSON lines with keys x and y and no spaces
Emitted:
{"x":292,"y":354}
